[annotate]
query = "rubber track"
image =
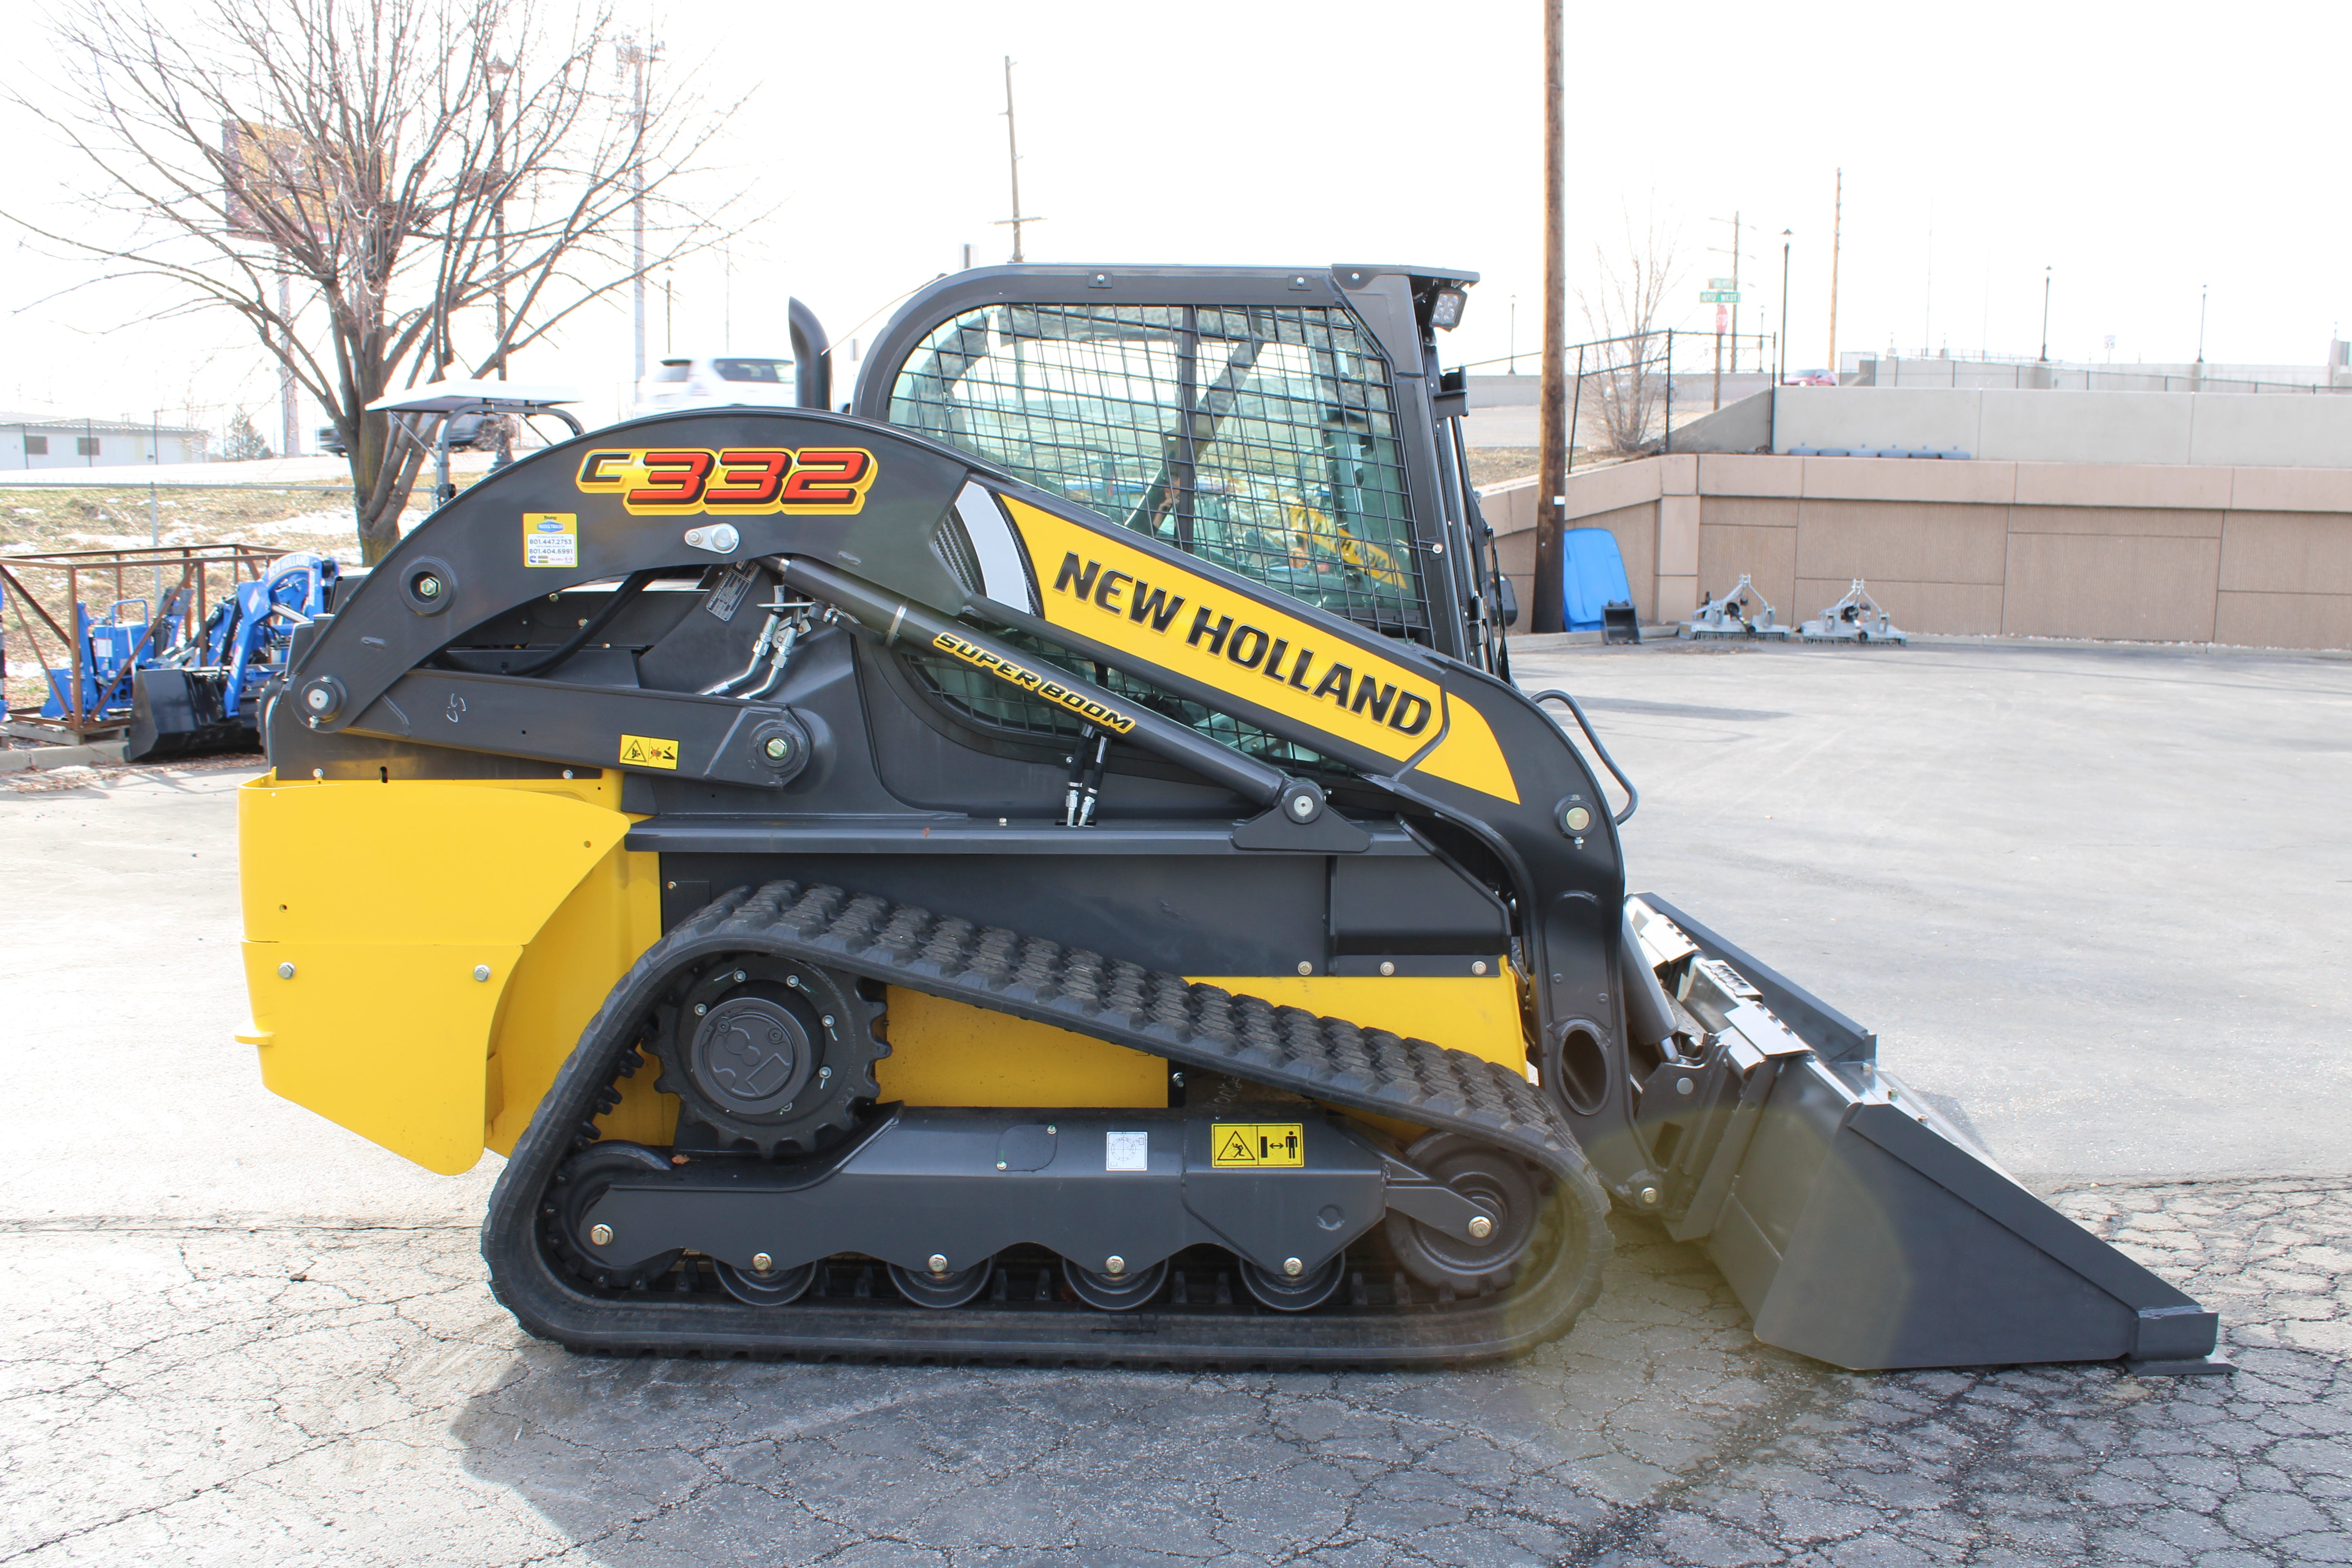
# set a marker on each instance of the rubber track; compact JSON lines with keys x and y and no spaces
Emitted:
{"x":1194,"y":1025}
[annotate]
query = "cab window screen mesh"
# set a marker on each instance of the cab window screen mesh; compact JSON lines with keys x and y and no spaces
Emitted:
{"x":1264,"y":440}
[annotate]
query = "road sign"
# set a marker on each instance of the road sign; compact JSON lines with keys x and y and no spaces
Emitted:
{"x":1718,"y":297}
{"x":1722,"y":283}
{"x":1722,"y":320}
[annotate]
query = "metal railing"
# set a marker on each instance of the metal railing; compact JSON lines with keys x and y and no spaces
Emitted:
{"x":31,"y":583}
{"x":2005,"y":372}
{"x":1634,"y":381}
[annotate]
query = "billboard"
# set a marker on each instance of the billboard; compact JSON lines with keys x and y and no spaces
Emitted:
{"x":279,"y":183}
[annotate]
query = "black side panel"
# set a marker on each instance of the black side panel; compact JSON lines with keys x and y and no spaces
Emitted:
{"x":1237,"y":914}
{"x":1399,"y":906}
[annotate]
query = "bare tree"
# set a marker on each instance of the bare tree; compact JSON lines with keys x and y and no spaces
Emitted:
{"x":1623,"y":310}
{"x":385,"y":191}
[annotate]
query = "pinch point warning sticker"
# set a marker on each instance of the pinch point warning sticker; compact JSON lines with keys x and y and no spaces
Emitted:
{"x":550,"y":539}
{"x":647,"y":752}
{"x":1257,"y":1146}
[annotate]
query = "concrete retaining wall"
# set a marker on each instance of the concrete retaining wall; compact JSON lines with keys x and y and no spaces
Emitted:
{"x":2253,"y":556}
{"x":2202,"y":429}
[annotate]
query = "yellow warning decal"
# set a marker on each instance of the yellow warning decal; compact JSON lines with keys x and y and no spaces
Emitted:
{"x":1257,"y":1146}
{"x":647,"y":752}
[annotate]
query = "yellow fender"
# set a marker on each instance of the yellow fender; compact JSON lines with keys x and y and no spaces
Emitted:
{"x":385,"y":925}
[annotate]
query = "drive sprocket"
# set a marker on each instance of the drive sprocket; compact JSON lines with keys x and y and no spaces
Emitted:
{"x":771,"y":1053}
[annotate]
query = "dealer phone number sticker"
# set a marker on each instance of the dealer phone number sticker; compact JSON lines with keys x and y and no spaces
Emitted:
{"x":550,"y":539}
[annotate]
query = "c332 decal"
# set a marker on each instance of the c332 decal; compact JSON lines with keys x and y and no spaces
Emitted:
{"x":1117,"y":596}
{"x":730,"y":481}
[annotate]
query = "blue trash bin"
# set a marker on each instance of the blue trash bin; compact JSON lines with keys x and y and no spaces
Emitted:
{"x":1594,"y":578}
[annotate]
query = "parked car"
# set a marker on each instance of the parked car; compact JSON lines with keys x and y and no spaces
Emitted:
{"x":1809,"y":378}
{"x":714,"y":381}
{"x":467,"y":432}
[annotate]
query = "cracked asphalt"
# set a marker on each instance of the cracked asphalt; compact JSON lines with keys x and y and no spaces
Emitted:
{"x":248,"y":1337}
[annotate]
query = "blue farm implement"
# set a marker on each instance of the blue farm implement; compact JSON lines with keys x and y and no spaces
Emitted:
{"x":208,"y":620}
{"x":205,"y":692}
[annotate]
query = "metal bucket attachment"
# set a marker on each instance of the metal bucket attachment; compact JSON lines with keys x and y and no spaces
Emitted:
{"x":1855,"y":1225}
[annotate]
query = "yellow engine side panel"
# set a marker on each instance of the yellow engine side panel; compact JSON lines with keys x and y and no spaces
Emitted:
{"x":1478,"y":1013}
{"x":945,"y":1053}
{"x":564,"y":975}
{"x":385,"y":898}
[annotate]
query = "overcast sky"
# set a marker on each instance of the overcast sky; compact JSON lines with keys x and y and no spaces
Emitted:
{"x":2140,"y":152}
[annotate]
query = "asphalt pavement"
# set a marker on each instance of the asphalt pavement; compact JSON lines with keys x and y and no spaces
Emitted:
{"x":2096,"y":897}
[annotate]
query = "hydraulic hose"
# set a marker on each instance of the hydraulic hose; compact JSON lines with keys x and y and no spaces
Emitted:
{"x":631,"y":586}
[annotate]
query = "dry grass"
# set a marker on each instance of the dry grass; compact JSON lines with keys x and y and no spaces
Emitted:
{"x":56,"y":518}
{"x":1498,"y":465}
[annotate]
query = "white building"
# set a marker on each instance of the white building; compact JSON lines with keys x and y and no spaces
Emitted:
{"x":30,"y":441}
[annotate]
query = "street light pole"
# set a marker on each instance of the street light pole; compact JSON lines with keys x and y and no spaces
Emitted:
{"x":2204,"y":293}
{"x":1013,"y":162}
{"x":498,"y":70}
{"x":633,"y":56}
{"x":2045,"y":314}
{"x":1781,"y":348}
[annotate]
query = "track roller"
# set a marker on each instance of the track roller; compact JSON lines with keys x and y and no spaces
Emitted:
{"x":1115,"y":1292}
{"x":942,"y":1287}
{"x":1301,"y":1292}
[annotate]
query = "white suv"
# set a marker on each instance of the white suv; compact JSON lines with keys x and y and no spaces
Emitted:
{"x":714,"y":381}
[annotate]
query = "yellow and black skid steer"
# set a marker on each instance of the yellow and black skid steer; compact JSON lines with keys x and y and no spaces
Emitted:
{"x":1049,"y":863}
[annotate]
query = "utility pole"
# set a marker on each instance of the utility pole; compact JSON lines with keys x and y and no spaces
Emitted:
{"x":1550,"y":596}
{"x":1012,"y":153}
{"x":2204,"y":293}
{"x":2045,"y":314}
{"x":293,"y":445}
{"x":1734,"y":221}
{"x":1515,"y":334}
{"x":633,"y":57}
{"x":1837,"y":239}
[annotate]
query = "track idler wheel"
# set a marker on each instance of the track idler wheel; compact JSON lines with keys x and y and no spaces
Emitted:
{"x":578,"y":1186}
{"x":770,"y":1052}
{"x":942,"y":1287}
{"x":1297,"y":1292}
{"x":1495,"y":1182}
{"x":1119,"y":1292}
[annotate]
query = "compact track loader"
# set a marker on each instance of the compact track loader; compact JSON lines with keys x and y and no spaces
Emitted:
{"x":1052,"y":864}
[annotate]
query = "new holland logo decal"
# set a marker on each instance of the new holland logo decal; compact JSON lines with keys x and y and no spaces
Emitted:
{"x":1154,"y":611}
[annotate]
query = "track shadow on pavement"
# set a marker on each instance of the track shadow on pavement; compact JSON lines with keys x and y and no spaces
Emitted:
{"x":1659,"y":1431}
